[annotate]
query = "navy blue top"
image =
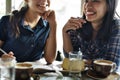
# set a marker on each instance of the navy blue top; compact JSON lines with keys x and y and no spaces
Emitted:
{"x":99,"y":49}
{"x":31,"y":42}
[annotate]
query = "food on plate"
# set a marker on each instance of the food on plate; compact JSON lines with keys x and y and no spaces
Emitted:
{"x":76,"y":64}
{"x":65,"y":64}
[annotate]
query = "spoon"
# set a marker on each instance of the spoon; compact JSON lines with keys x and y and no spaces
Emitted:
{"x":2,"y":51}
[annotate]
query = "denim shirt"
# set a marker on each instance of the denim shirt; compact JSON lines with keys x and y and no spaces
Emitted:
{"x":98,"y":49}
{"x":30,"y":43}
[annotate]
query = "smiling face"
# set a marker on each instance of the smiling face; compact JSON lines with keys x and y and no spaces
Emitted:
{"x":95,"y":10}
{"x":39,"y":6}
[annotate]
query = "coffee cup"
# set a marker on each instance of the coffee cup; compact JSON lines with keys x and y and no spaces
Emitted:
{"x":23,"y":71}
{"x":104,"y":67}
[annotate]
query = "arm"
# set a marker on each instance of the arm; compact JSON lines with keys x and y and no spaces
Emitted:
{"x":1,"y":43}
{"x":67,"y":45}
{"x":50,"y":47}
{"x":72,"y":24}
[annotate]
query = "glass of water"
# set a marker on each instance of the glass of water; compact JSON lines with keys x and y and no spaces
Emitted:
{"x":76,"y":64}
{"x":7,"y":68}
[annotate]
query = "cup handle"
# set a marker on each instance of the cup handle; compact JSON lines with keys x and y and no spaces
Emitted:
{"x":113,"y":67}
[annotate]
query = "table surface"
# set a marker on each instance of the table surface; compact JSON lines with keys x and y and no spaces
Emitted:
{"x":51,"y":76}
{"x":47,"y":72}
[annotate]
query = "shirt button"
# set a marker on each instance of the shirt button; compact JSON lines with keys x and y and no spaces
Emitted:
{"x":32,"y":45}
{"x":32,"y":34}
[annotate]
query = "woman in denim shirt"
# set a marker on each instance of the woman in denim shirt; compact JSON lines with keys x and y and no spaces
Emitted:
{"x":30,"y":32}
{"x":97,"y":34}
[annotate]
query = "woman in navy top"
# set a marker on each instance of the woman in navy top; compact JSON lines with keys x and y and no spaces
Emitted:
{"x":30,"y":32}
{"x":97,"y":34}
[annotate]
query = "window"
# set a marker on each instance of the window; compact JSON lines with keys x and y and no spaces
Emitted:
{"x":10,"y":6}
{"x":2,"y":7}
{"x":64,"y":10}
{"x":16,"y":4}
{"x":117,"y":9}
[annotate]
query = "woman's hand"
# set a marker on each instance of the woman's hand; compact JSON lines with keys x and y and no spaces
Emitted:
{"x":50,"y":17}
{"x":9,"y":55}
{"x":73,"y":24}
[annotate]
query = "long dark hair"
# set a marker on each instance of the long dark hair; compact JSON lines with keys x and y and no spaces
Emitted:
{"x":105,"y":30}
{"x":15,"y":18}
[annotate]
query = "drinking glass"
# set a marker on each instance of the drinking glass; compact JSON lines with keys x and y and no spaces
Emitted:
{"x":76,"y":64}
{"x":7,"y":69}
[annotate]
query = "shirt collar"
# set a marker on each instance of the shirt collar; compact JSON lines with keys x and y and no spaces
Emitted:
{"x":41,"y":23}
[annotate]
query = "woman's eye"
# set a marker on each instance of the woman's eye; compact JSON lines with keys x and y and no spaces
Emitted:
{"x":91,"y":1}
{"x":94,"y":0}
{"x":85,"y":0}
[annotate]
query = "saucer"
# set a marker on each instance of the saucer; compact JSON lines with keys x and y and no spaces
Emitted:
{"x":95,"y":75}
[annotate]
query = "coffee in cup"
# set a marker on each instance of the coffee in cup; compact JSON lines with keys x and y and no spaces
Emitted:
{"x":104,"y":67}
{"x":23,"y":71}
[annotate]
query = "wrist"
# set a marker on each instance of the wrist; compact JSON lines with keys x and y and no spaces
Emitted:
{"x":1,"y":54}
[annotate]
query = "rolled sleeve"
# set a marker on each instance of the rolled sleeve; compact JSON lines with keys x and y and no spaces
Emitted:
{"x":3,"y":28}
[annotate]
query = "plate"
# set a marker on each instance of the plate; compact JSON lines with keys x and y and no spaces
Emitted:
{"x":41,"y":71}
{"x":95,"y":75}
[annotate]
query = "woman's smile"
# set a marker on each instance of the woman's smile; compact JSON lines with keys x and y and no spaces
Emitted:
{"x":90,"y":13}
{"x":42,"y":5}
